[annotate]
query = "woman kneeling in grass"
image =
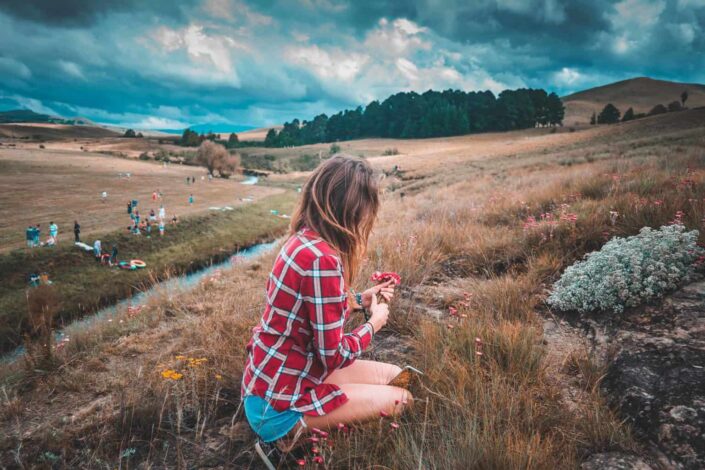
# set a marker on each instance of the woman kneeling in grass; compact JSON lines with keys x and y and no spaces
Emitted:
{"x":302,"y":370}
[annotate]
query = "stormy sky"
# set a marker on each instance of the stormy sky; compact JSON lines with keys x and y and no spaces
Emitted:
{"x":168,"y":64}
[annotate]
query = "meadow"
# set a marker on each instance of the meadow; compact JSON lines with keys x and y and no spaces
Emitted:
{"x":43,"y":185}
{"x":478,"y":227}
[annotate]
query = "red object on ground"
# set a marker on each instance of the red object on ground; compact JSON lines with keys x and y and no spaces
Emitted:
{"x":380,"y":277}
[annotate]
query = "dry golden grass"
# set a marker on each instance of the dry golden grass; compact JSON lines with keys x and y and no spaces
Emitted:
{"x":146,"y":396}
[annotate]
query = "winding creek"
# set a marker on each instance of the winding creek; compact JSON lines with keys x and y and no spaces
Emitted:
{"x":168,"y":288}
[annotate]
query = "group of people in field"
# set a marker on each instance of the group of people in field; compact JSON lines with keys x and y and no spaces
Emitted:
{"x":33,"y":235}
{"x":107,"y":258}
{"x":139,"y":225}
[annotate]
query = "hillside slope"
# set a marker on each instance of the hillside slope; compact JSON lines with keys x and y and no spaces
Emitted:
{"x":49,"y":131}
{"x":641,"y":93}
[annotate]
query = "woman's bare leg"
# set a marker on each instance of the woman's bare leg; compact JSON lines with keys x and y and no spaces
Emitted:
{"x":365,"y":385}
{"x":364,"y":372}
{"x":365,"y":402}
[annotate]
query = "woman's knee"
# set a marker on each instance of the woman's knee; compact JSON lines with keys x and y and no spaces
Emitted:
{"x":392,"y":372}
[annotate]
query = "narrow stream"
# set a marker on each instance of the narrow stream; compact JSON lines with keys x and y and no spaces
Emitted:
{"x":250,"y":180}
{"x":167,"y":288}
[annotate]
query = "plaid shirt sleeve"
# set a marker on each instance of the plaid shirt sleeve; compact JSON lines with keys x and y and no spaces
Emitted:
{"x":323,"y":291}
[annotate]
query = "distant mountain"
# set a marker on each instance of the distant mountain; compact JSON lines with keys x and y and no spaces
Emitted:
{"x":215,"y":128}
{"x":640,"y":93}
{"x":28,"y":116}
{"x":25,"y":115}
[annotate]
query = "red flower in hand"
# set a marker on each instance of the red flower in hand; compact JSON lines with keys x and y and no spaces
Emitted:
{"x":380,"y":277}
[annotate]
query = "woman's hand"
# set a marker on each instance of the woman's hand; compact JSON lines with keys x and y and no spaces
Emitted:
{"x":379,"y":313}
{"x":386,"y":290}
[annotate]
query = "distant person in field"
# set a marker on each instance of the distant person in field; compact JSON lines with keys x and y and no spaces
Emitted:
{"x":104,"y":196}
{"x":161,"y":227}
{"x":303,"y":370}
{"x":29,"y":235}
{"x":190,"y":199}
{"x":76,"y":231}
{"x":154,"y":196}
{"x":97,"y":249}
{"x":37,"y":235}
{"x":152,"y":215}
{"x":113,"y":256}
{"x":53,"y":233}
{"x":174,"y":220}
{"x":148,"y":229}
{"x":188,"y":180}
{"x":137,"y":217}
{"x":129,"y":208}
{"x":162,"y":212}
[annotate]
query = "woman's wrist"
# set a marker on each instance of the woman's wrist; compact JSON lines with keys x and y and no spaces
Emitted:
{"x":376,"y":326}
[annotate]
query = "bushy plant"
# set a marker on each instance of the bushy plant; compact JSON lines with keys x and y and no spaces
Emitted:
{"x":627,"y":272}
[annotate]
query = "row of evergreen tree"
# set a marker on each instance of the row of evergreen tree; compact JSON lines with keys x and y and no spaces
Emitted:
{"x":610,"y":114}
{"x":430,"y":114}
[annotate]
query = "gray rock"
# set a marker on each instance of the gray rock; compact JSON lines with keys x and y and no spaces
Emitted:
{"x":615,"y":461}
{"x":656,"y":377}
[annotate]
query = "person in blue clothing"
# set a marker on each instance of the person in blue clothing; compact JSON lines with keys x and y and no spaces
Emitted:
{"x":53,"y":233}
{"x":29,"y":235}
{"x":190,"y":199}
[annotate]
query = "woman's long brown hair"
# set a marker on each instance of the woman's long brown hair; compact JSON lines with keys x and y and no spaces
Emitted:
{"x":340,"y":202}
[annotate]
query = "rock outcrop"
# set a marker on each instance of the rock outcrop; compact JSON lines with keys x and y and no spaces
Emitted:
{"x":656,"y":374}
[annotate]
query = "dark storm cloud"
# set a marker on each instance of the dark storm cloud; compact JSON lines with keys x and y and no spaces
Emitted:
{"x":75,"y":13}
{"x":165,"y":63}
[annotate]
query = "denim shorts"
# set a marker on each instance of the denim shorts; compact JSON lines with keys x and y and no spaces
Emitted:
{"x":268,"y":423}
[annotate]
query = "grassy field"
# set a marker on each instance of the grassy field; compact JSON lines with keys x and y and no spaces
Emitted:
{"x":84,"y":285}
{"x":453,"y":225}
{"x":40,"y":186}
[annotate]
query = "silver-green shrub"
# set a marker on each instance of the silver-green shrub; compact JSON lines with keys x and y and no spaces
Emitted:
{"x":627,"y":272}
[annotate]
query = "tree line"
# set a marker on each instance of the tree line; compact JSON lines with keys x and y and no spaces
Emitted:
{"x":191,"y":138}
{"x":610,"y":114}
{"x":409,"y":115}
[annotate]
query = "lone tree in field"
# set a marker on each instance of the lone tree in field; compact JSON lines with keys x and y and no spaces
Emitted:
{"x":684,"y":97}
{"x":130,"y":133}
{"x":216,"y":158}
{"x":609,"y":115}
{"x":628,"y":115}
{"x":593,"y":118}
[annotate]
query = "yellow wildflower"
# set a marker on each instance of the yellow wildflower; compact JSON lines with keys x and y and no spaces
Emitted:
{"x":172,"y":374}
{"x":218,"y":377}
{"x":180,"y":358}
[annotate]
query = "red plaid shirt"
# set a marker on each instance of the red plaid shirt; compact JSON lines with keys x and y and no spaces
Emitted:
{"x":300,"y":339}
